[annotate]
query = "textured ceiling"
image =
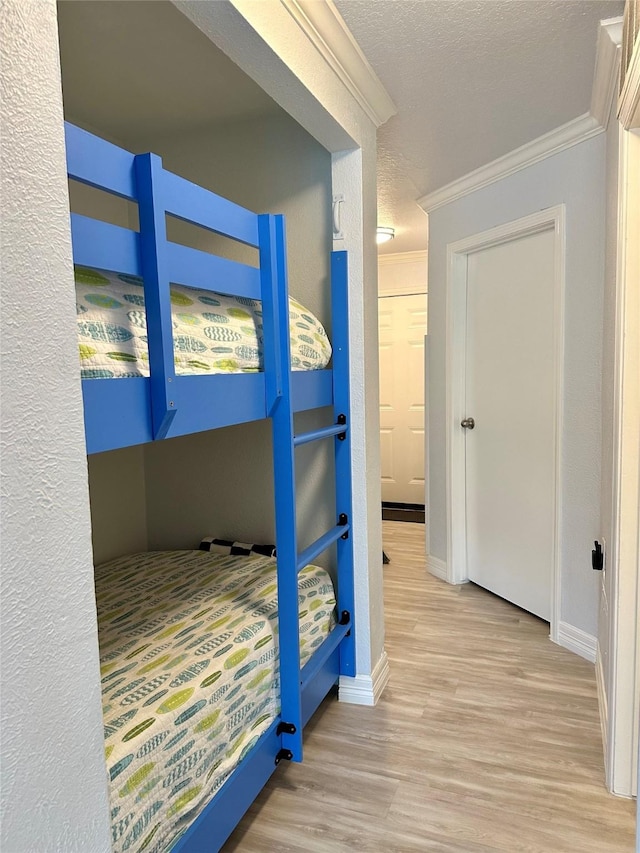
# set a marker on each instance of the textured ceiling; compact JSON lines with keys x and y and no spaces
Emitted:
{"x":472,"y":80}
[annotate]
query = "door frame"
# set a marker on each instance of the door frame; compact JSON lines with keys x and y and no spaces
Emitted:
{"x":620,"y":709}
{"x":552,"y":218}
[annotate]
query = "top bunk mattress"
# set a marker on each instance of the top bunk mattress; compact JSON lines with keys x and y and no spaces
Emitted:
{"x":212,"y":332}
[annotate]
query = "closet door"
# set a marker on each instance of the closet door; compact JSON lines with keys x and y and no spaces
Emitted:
{"x":402,"y":325}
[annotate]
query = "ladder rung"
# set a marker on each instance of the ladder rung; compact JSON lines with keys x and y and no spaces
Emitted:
{"x":322,"y":544}
{"x":326,"y":432}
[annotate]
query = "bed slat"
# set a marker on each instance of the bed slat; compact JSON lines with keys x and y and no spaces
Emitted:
{"x":311,"y":389}
{"x":100,"y":164}
{"x":108,"y":247}
{"x":194,"y":268}
{"x":194,"y":204}
{"x":105,"y":401}
{"x":315,"y":663}
{"x":242,"y":396}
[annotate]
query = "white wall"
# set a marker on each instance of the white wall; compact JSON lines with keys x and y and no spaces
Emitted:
{"x":402,"y":274}
{"x":54,"y":789}
{"x":574,"y":177}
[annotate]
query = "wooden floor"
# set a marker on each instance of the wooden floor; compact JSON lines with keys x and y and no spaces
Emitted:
{"x":486,"y":739}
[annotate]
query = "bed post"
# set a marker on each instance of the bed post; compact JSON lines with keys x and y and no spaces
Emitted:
{"x":157,"y":297}
{"x":277,"y":368}
{"x":342,"y":411}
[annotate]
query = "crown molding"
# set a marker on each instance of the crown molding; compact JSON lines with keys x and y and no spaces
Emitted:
{"x":607,"y":70}
{"x":324,"y":27}
{"x":403,"y":257}
{"x":563,"y":137}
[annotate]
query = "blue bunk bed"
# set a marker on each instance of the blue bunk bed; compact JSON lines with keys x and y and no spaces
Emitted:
{"x":126,"y":411}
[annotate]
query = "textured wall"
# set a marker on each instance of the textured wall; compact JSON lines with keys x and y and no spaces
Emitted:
{"x":574,"y":177}
{"x":54,"y":793}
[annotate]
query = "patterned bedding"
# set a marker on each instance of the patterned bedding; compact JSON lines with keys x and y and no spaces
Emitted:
{"x":188,"y":650}
{"x":212,"y":333}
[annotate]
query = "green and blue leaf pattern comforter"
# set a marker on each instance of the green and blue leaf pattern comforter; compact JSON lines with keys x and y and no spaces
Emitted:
{"x":212,"y":333}
{"x":189,"y":664}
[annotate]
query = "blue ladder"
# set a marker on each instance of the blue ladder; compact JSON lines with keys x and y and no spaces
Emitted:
{"x":277,"y":366}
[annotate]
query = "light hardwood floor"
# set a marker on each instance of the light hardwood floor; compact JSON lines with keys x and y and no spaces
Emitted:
{"x":486,"y":739}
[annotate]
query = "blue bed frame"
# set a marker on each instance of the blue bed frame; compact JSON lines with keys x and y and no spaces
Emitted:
{"x":123,"y":412}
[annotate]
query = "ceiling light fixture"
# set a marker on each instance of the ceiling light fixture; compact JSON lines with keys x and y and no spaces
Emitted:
{"x":383,"y":235}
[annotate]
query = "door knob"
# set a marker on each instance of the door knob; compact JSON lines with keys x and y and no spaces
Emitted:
{"x":468,"y":423}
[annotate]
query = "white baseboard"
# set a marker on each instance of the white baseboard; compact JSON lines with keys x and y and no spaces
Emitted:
{"x":437,"y":568}
{"x":365,"y":689}
{"x":577,"y":641}
{"x":603,"y":704}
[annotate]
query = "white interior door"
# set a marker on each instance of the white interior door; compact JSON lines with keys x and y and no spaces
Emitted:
{"x":403,"y":325}
{"x":510,"y":394}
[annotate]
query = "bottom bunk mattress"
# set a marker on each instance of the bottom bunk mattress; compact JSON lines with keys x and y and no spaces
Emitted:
{"x":189,"y":664}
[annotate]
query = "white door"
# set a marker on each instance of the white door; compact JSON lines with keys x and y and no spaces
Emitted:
{"x":510,"y":393}
{"x":402,"y":326}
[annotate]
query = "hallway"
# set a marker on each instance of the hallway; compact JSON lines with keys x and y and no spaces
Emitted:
{"x":487,"y":738}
